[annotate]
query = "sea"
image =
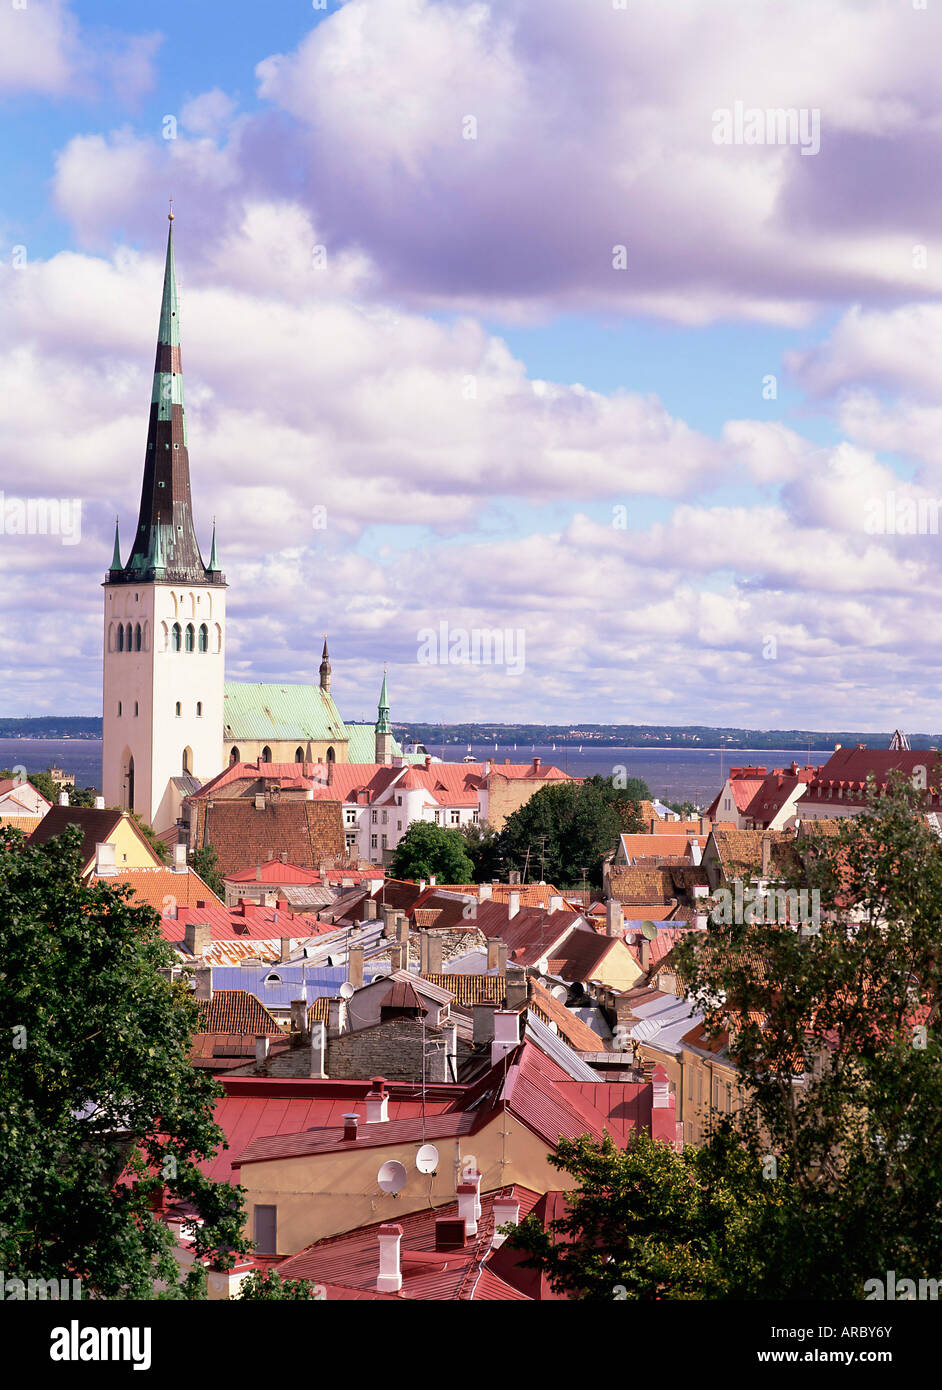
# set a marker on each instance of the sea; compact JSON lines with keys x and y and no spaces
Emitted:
{"x":673,"y":774}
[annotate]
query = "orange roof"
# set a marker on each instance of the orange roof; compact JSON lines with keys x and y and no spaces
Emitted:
{"x":25,"y":823}
{"x":238,"y":1011}
{"x":157,"y":887}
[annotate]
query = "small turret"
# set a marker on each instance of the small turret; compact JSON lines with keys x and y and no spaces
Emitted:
{"x":325,"y":668}
{"x":383,"y":730}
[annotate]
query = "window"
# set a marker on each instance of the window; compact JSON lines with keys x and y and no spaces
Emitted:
{"x":385,"y":818}
{"x":178,"y":709}
{"x":120,"y":637}
{"x":474,"y":817}
{"x":175,"y":637}
{"x":372,"y":842}
{"x":137,"y":637}
{"x":438,"y":817}
{"x":199,"y":709}
{"x":350,"y":817}
{"x":137,"y":709}
{"x":398,"y":824}
{"x":189,"y":637}
{"x":266,"y":754}
{"x":299,"y":755}
{"x":373,"y":817}
{"x":331,"y":755}
{"x":187,"y":761}
{"x":398,"y":800}
{"x":119,"y":709}
{"x":204,"y":638}
{"x":266,"y":1230}
{"x":127,"y":637}
{"x":351,"y":842}
{"x":384,"y":842}
{"x":233,"y":756}
{"x":455,"y":817}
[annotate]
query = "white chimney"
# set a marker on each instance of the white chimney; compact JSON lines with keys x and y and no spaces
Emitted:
{"x":555,"y":903}
{"x":431,"y":880}
{"x":318,"y":1049}
{"x":105,"y":864}
{"x":63,"y":798}
{"x":696,"y":853}
{"x":469,"y":1201}
{"x":484,"y":892}
{"x":377,"y":1102}
{"x":262,"y":1045}
{"x":99,"y":803}
{"x":390,"y":1275}
{"x":179,"y":859}
{"x":506,"y":1213}
{"x":513,"y":904}
{"x":662,"y":1090}
{"x":421,"y":885}
{"x":506,"y":1034}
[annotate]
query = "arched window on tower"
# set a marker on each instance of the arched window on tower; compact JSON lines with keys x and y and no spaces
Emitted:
{"x":137,"y":637}
{"x":204,"y":638}
{"x":266,"y":754}
{"x":187,"y":761}
{"x":299,"y":755}
{"x":234,"y":757}
{"x":331,"y":755}
{"x":120,"y":647}
{"x":127,"y":637}
{"x":175,"y":637}
{"x":129,"y":779}
{"x":189,"y":637}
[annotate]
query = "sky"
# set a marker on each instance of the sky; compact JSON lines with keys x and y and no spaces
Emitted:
{"x":527,"y":319}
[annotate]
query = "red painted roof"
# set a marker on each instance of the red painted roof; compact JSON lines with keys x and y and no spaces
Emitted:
{"x":248,"y":921}
{"x":352,"y":1260}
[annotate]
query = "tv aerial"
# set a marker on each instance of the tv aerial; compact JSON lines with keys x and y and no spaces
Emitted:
{"x":426,"y":1160}
{"x":392,"y":1177}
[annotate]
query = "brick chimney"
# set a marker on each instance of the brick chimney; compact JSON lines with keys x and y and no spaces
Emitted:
{"x":555,"y":903}
{"x":299,"y":1009}
{"x":355,"y":966}
{"x":389,"y":1279}
{"x":350,"y":1126}
{"x":197,"y":938}
{"x":430,"y":953}
{"x":63,"y":798}
{"x":390,"y":918}
{"x":284,"y":952}
{"x":766,"y":855}
{"x":483,"y":1023}
{"x":203,"y":984}
{"x":336,"y":1017}
{"x":614,"y":918}
{"x":99,"y":803}
{"x":370,"y":910}
{"x":536,"y":765}
{"x":644,"y":950}
{"x":497,"y":954}
{"x":516,"y":987}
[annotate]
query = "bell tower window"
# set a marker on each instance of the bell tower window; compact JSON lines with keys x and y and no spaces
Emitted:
{"x":189,"y":637}
{"x":175,"y":635}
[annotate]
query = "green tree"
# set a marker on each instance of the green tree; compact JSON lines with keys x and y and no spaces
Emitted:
{"x":645,"y":1222}
{"x":831,"y":1007}
{"x":271,"y":1287}
{"x":482,"y":846}
{"x":427,"y":849}
{"x":566,"y":827}
{"x":206,"y":863}
{"x":96,"y":1082}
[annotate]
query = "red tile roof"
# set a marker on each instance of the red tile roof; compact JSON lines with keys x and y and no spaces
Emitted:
{"x":237,"y":1011}
{"x":247,"y":921}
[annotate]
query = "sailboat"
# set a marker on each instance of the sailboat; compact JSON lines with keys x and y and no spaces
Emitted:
{"x":554,"y":747}
{"x":469,"y":756}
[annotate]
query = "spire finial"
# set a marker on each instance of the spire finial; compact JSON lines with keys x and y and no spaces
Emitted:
{"x":170,"y":213}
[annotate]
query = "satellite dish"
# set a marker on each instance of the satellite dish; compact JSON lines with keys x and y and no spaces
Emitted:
{"x":346,"y":990}
{"x":560,"y":991}
{"x":542,"y":965}
{"x":392,"y":1177}
{"x":426,"y":1160}
{"x":649,"y":930}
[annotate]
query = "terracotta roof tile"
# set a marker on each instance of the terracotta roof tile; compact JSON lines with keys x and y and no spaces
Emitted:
{"x":237,"y":1011}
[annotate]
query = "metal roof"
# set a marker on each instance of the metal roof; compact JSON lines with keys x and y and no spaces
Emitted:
{"x":560,"y":1052}
{"x":286,"y":712}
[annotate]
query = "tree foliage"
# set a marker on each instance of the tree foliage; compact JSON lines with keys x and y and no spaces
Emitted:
{"x":205,"y":862}
{"x":566,"y":827}
{"x":271,"y":1287}
{"x":427,"y":849}
{"x":483,"y":848}
{"x":97,"y":1083}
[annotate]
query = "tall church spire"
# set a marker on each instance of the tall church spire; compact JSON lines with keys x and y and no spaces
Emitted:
{"x":165,"y":545}
{"x":325,"y":667}
{"x":382,"y":724}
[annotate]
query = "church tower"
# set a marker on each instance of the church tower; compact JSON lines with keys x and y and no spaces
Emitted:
{"x":384,"y":733}
{"x":325,"y":670}
{"x":165,"y":618}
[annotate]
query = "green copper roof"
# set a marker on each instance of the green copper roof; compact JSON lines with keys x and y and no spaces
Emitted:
{"x":362,"y":746}
{"x":283,"y":712}
{"x":116,"y":557}
{"x":382,"y":724}
{"x":213,"y":562}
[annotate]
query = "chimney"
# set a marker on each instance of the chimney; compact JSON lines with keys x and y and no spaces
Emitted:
{"x":614,"y":918}
{"x":390,"y":916}
{"x":369,"y":910}
{"x":390,"y":1275}
{"x":258,"y":873}
{"x":350,"y":1125}
{"x":262,"y":1045}
{"x":299,"y":1016}
{"x":197,"y":938}
{"x":260,"y":801}
{"x":431,"y":880}
{"x":536,"y":764}
{"x":513,"y":904}
{"x":421,"y":885}
{"x":284,"y":856}
{"x":377,"y":1102}
{"x":516,"y":987}
{"x":336,"y":1017}
{"x":402,"y":931}
{"x":696,"y":853}
{"x":469,"y":1200}
{"x":430,"y":954}
{"x":497,"y":954}
{"x":318,"y":1050}
{"x":555,"y":903}
{"x":513,"y":877}
{"x":664,"y":1124}
{"x":105,"y":861}
{"x":485,"y":892}
{"x":398,"y":959}
{"x":355,"y":966}
{"x":63,"y":798}
{"x":506,"y":1213}
{"x":179,"y":859}
{"x":445,"y":1068}
{"x":766,"y":855}
{"x":483,"y":1023}
{"x":99,"y":803}
{"x":450,"y":1233}
{"x":284,"y":952}
{"x":645,"y":948}
{"x":506,"y":1033}
{"x":203,"y":984}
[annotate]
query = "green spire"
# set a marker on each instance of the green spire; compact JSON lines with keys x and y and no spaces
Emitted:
{"x":213,"y":562}
{"x":116,"y":557}
{"x":382,"y":723}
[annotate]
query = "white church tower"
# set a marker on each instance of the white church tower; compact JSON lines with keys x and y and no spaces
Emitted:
{"x":165,"y":619}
